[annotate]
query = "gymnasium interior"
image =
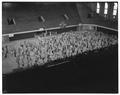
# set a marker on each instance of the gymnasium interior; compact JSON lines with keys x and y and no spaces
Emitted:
{"x":60,"y":47}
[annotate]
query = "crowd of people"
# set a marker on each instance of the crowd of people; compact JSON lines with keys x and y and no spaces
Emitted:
{"x":41,"y":50}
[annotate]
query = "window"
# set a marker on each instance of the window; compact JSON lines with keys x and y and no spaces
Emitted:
{"x":98,"y":8}
{"x":115,"y":10}
{"x":106,"y":9}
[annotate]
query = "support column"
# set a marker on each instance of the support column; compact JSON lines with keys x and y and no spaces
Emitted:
{"x":102,"y":5}
{"x":110,"y":10}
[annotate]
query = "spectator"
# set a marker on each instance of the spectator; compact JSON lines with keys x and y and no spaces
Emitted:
{"x":39,"y":51}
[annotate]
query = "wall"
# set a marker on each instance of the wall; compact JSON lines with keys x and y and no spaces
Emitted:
{"x":93,"y":6}
{"x":110,"y":10}
{"x":85,"y":8}
{"x":102,"y":9}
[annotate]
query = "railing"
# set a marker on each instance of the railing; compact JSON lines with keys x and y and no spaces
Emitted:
{"x":30,"y":34}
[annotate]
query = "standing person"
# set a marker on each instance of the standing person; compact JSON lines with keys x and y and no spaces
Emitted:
{"x":6,"y":51}
{"x":25,"y":61}
{"x":18,"y":61}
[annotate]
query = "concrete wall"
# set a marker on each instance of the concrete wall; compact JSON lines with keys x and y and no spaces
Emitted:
{"x":102,"y":6}
{"x":117,"y":16}
{"x":93,"y":6}
{"x":85,"y":8}
{"x":110,"y":10}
